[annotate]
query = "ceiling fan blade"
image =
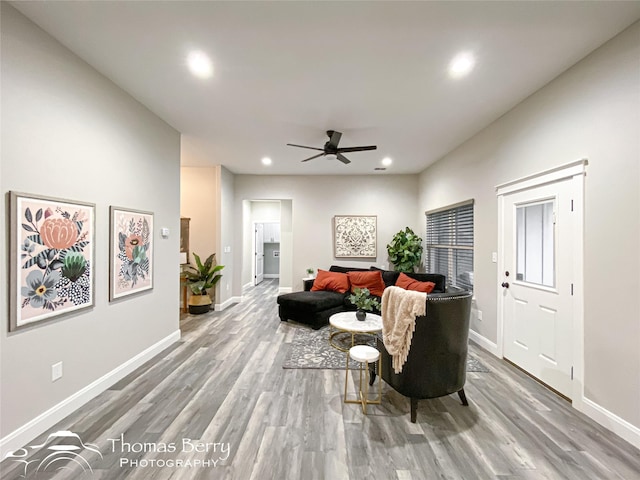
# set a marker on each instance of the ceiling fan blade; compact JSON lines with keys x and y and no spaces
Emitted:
{"x":304,"y":146}
{"x":342,"y":158}
{"x":357,"y":149}
{"x":334,"y":138}
{"x":315,"y":156}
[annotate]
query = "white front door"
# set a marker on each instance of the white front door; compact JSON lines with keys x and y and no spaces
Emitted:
{"x":537,"y":284}
{"x":259,"y":253}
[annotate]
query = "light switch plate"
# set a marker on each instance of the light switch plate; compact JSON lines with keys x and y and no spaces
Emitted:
{"x":494,"y":257}
{"x":164,"y":231}
{"x":56,"y":371}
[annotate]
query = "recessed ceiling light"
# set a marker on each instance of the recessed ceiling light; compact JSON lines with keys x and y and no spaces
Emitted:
{"x":386,"y":161}
{"x":461,"y":64}
{"x":200,"y":64}
{"x":266,"y":161}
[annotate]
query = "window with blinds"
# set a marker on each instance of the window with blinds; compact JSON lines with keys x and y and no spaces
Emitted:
{"x":450,"y":244}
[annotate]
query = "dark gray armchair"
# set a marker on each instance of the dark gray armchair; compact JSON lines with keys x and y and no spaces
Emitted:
{"x":436,"y":365}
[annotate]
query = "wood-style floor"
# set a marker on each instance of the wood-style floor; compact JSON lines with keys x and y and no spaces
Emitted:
{"x":223,"y":388}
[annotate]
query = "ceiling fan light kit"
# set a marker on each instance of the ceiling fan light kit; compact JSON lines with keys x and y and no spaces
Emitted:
{"x":331,"y":150}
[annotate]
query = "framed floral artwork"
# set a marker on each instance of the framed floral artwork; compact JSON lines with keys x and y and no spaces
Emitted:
{"x":51,"y":258}
{"x":130,"y":252}
{"x":354,"y":236}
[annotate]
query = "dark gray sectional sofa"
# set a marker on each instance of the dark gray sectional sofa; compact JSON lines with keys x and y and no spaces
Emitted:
{"x":315,"y":308}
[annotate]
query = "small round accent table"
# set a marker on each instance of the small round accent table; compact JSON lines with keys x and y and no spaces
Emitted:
{"x":364,"y":355}
{"x":346,"y":322}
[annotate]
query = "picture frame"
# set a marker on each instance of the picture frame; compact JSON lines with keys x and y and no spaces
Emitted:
{"x":51,"y":257}
{"x":131,"y":245}
{"x":355,"y":236}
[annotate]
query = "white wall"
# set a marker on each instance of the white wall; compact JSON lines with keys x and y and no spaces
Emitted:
{"x":315,"y":200}
{"x":591,"y":111}
{"x":265,"y":212}
{"x":226,"y":238}
{"x":68,"y":132}
{"x":286,"y":246}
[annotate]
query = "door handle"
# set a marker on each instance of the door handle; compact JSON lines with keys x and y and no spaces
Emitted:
{"x":505,"y":284}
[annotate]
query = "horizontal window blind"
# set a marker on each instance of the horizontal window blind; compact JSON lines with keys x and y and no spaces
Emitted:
{"x":449,"y":243}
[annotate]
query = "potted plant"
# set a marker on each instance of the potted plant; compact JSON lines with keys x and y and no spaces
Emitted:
{"x":311,"y":272}
{"x":200,"y":278}
{"x":405,"y":250}
{"x":364,"y":302}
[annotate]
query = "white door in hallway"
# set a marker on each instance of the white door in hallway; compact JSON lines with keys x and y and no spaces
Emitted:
{"x":259,"y":253}
{"x":537,"y":284}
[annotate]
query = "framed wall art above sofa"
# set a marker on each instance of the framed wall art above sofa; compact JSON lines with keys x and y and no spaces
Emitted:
{"x":354,"y":236}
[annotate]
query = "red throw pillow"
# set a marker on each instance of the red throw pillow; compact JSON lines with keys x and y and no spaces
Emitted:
{"x":408,"y":283}
{"x":333,"y":281}
{"x":370,"y":279}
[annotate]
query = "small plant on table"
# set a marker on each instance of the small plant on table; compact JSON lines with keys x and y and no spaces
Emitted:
{"x":364,"y":302}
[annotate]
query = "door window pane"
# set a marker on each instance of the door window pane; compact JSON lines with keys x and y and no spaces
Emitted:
{"x":535,"y":244}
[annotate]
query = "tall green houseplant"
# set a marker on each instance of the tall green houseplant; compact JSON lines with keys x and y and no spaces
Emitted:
{"x":405,"y":250}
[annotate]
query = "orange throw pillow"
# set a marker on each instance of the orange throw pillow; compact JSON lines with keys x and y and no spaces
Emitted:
{"x":371,"y":280}
{"x":408,"y":283}
{"x":333,"y":281}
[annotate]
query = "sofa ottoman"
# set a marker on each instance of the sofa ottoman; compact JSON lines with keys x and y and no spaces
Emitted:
{"x":310,"y":308}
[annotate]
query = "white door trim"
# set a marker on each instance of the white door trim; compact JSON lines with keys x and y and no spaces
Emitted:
{"x":548,"y":176}
{"x":575,"y":171}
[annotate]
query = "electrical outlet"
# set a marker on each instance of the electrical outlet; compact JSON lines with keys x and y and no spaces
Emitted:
{"x":56,"y":371}
{"x":480,"y":315}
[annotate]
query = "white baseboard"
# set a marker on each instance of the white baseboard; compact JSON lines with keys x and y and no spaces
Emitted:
{"x":285,"y":290}
{"x":227,"y":303}
{"x":247,"y":285}
{"x":23,"y":435}
{"x":610,"y":421}
{"x":271,"y":275}
{"x":484,"y":342}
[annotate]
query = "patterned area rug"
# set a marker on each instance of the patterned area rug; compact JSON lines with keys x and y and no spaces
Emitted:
{"x":311,"y":349}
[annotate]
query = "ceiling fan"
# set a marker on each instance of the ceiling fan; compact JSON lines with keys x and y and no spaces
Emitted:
{"x":331,"y":148}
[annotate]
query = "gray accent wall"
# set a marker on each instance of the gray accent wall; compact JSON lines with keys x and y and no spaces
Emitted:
{"x":71,"y":133}
{"x":591,"y":111}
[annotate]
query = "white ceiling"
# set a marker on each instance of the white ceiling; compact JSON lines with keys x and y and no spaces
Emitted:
{"x":287,"y":71}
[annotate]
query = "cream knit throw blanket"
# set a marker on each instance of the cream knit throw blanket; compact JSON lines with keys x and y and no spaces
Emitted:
{"x":400,"y":308}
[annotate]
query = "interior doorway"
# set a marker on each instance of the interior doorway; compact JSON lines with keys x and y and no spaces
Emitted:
{"x":267,"y":242}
